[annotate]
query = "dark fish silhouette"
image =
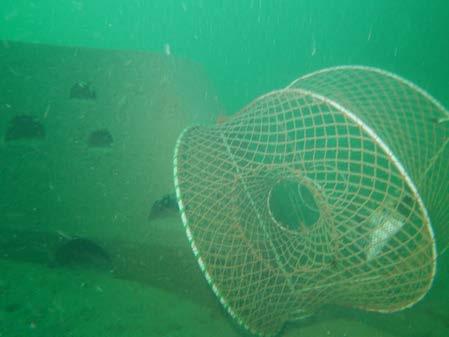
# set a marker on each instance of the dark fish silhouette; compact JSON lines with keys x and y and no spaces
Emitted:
{"x":100,"y":138}
{"x":83,"y":90}
{"x":79,"y":252}
{"x":165,"y":206}
{"x":24,"y":127}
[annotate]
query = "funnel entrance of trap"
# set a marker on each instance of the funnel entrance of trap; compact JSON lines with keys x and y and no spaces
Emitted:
{"x":292,"y":205}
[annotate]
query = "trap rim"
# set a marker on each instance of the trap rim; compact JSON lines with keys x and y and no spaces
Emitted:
{"x":195,"y":250}
{"x":377,"y":71}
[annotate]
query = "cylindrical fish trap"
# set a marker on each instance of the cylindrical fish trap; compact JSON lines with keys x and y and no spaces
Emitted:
{"x":333,"y":190}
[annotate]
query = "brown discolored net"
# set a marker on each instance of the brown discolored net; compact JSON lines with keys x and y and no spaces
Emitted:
{"x":329,"y":191}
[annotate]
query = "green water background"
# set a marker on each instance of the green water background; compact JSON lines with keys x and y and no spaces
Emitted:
{"x":249,"y":47}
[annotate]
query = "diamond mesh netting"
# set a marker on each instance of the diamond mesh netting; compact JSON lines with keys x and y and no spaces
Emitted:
{"x":330,"y":191}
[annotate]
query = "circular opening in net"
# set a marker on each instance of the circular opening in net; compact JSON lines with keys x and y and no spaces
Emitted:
{"x":292,"y":205}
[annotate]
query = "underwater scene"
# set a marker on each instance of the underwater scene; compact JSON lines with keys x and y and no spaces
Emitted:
{"x":185,"y":168}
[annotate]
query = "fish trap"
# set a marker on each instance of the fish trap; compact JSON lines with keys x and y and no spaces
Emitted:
{"x":333,"y":190}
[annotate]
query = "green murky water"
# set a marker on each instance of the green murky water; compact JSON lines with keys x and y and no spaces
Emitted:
{"x":91,"y":242}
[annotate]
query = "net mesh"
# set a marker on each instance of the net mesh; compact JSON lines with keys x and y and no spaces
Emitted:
{"x":320,"y":193}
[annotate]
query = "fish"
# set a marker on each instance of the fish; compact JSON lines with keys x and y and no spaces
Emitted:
{"x":385,"y":226}
{"x":165,"y":206}
{"x":24,"y":127}
{"x":101,"y":138}
{"x":83,"y":90}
